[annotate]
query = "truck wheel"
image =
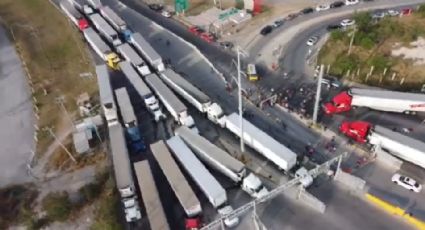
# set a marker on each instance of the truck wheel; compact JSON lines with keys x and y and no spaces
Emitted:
{"x":406,"y":112}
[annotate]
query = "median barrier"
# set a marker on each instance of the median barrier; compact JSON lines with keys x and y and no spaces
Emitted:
{"x":352,"y":182}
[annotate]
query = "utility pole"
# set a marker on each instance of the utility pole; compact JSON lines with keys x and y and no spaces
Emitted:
{"x":48,"y":129}
{"x":351,"y":42}
{"x":240,"y":101}
{"x":318,"y":91}
{"x":60,"y":101}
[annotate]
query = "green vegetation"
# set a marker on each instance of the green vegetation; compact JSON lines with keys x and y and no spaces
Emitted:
{"x":55,"y":54}
{"x":57,"y":205}
{"x":370,"y":61}
{"x":107,"y":208}
{"x":15,"y":205}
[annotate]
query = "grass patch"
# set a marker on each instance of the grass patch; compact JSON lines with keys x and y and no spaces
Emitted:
{"x":55,"y":54}
{"x":57,"y":206}
{"x":16,"y":204}
{"x":107,"y":208}
{"x":372,"y":46}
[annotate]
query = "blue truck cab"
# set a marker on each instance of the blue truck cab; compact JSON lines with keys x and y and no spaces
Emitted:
{"x":135,"y":140}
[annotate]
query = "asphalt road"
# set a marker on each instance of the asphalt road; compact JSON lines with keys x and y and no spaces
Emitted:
{"x":195,"y":69}
{"x":16,"y":116}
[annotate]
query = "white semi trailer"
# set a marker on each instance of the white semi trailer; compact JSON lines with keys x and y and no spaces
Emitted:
{"x":177,"y":181}
{"x":117,"y":22}
{"x":222,"y":162}
{"x":194,"y":96}
{"x":106,"y":95}
{"x":76,"y":17}
{"x":131,"y":56}
{"x":96,"y":4}
{"x":142,"y":89}
{"x":147,"y":51}
{"x":82,"y":6}
{"x":150,"y":196}
{"x":100,"y":47}
{"x":377,"y":99}
{"x":122,"y":171}
{"x":214,"y":192}
{"x":105,"y":29}
{"x":176,"y":108}
{"x":399,"y":145}
{"x":280,"y":155}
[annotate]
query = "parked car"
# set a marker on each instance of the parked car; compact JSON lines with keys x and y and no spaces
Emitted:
{"x":406,"y":12}
{"x":334,"y":27}
{"x":307,"y":10}
{"x":156,"y":7}
{"x":351,"y":2}
{"x":347,"y":22}
{"x":379,"y":14}
{"x":330,"y":81}
{"x":196,"y":30}
{"x":166,"y":14}
{"x":393,"y":13}
{"x":207,"y":37}
{"x":312,"y":41}
{"x":336,"y":4}
{"x":266,"y":30}
{"x":278,"y":23}
{"x":292,"y":16}
{"x":323,"y":7}
{"x":226,"y":45}
{"x":406,"y":182}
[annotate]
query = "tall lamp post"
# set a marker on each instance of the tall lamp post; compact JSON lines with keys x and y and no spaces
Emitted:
{"x":239,"y":52}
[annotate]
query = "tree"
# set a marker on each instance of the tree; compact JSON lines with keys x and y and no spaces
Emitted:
{"x":421,"y":10}
{"x":363,"y":21}
{"x":57,"y":205}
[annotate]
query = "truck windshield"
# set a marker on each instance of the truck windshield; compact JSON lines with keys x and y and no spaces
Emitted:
{"x":259,"y":188}
{"x":108,"y":105}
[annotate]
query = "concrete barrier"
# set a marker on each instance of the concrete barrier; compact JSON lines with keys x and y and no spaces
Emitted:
{"x":395,"y":210}
{"x":387,"y":159}
{"x":352,"y":182}
{"x":311,"y":201}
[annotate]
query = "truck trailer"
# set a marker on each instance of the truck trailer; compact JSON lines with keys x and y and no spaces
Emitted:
{"x":194,"y":96}
{"x":117,"y":22}
{"x":131,"y":56}
{"x":176,"y":108}
{"x":147,"y":51}
{"x":401,"y":146}
{"x":96,"y":4}
{"x":150,"y":196}
{"x":211,"y":188}
{"x":132,"y":132}
{"x":82,"y":6}
{"x":100,"y":47}
{"x":105,"y":29}
{"x":280,"y":155}
{"x":76,"y":17}
{"x":143,"y":90}
{"x":122,"y":171}
{"x":221,"y":161}
{"x":106,"y":94}
{"x":177,"y":181}
{"x":376,"y":99}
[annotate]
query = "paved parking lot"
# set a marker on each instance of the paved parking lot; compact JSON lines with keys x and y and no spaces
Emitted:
{"x":16,"y":116}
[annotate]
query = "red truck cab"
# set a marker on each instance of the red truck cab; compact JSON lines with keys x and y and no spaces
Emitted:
{"x":82,"y":24}
{"x":340,"y":103}
{"x":356,"y":130}
{"x":193,"y":224}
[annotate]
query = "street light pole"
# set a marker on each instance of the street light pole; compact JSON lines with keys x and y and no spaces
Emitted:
{"x":318,"y":91}
{"x":240,"y":101}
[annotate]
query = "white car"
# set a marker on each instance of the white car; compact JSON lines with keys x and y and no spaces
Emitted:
{"x":347,"y":22}
{"x":323,"y":7}
{"x":406,"y":182}
{"x":351,"y":2}
{"x":166,"y":14}
{"x":393,"y":13}
{"x":312,"y":41}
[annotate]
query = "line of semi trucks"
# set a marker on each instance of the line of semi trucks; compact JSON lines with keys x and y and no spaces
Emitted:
{"x":378,"y":137}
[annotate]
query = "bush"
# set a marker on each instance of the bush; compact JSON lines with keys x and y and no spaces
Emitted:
{"x":90,"y":191}
{"x":380,"y":62}
{"x":367,"y":43}
{"x":363,"y":21}
{"x":421,"y":10}
{"x":337,"y":35}
{"x":58,"y":206}
{"x":107,"y":214}
{"x":344,"y":63}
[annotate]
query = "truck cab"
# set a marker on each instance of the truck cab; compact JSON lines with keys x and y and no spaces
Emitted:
{"x":112,"y":60}
{"x":132,"y":210}
{"x":215,"y":114}
{"x":136,"y":142}
{"x":229,"y":222}
{"x":357,"y":130}
{"x":306,"y":179}
{"x":193,"y":224}
{"x":253,"y":186}
{"x":126,"y":35}
{"x":340,"y":103}
{"x":82,"y":23}
{"x":189,"y":122}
